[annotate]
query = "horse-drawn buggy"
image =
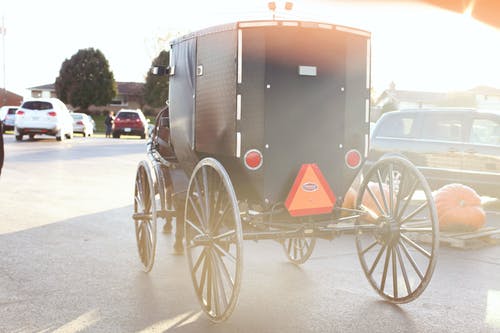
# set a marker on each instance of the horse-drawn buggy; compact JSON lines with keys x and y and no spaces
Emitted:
{"x":267,"y":138}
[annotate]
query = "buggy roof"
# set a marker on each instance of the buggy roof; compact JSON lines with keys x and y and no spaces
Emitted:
{"x":270,"y":23}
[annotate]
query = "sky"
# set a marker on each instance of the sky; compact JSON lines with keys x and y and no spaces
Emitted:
{"x":415,"y":46}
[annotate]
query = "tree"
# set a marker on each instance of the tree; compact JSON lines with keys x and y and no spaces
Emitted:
{"x":156,"y":86}
{"x":85,"y":79}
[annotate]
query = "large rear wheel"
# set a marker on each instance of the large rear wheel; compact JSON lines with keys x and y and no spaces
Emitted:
{"x":398,"y":239}
{"x":145,"y":215}
{"x":213,"y":239}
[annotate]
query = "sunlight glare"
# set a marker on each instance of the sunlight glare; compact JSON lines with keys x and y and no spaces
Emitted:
{"x":81,"y":323}
{"x":493,"y":308}
{"x":175,"y":322}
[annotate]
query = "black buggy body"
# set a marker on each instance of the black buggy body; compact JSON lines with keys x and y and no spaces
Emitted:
{"x":296,"y":92}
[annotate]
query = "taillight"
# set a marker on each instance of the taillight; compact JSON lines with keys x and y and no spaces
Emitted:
{"x":253,"y":159}
{"x":79,"y":122}
{"x":137,"y":120}
{"x":52,"y":113}
{"x":117,"y":120}
{"x":20,"y":112}
{"x":353,"y":159}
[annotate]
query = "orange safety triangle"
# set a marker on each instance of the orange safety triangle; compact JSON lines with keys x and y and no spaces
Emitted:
{"x":310,"y":193}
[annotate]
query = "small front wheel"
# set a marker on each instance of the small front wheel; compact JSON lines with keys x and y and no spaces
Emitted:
{"x":299,"y":249}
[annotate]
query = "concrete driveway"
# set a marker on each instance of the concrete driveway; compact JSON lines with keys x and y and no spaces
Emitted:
{"x":68,"y":263}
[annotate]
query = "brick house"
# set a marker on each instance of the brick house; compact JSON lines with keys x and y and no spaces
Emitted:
{"x":9,"y":98}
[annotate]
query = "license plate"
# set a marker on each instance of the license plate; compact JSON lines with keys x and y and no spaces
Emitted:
{"x":127,"y":130}
{"x":35,"y":118}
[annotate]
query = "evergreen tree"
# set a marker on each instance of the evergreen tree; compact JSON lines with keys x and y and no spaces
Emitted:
{"x":156,"y":87}
{"x":85,"y":79}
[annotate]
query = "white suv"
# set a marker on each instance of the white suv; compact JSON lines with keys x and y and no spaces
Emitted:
{"x":47,"y":116}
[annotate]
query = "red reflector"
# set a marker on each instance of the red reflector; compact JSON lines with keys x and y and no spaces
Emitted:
{"x":20,"y":112}
{"x":253,"y":159}
{"x":52,"y":114}
{"x":353,"y":159}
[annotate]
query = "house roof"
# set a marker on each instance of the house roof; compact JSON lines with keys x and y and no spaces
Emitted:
{"x":412,"y":96}
{"x":10,"y":98}
{"x":124,"y":88}
{"x":485,"y":90}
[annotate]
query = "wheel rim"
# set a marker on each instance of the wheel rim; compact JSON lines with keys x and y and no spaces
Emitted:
{"x":299,"y":249}
{"x":398,"y":245}
{"x":213,"y":239}
{"x":145,"y":206}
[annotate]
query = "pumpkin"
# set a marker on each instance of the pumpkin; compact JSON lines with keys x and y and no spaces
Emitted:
{"x":349,"y":201}
{"x":459,"y":208}
{"x":370,"y":204}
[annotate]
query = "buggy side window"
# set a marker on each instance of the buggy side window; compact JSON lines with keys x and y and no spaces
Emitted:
{"x":399,"y":126}
{"x":442,"y":127}
{"x":485,"y":131}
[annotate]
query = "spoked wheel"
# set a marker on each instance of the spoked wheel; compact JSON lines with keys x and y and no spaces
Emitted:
{"x":213,"y":239}
{"x":398,"y":240}
{"x":164,"y":194}
{"x":145,"y":215}
{"x":299,"y":249}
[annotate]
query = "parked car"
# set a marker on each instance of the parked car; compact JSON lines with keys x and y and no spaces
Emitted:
{"x":8,"y":116}
{"x":47,"y":116}
{"x":94,"y":129}
{"x":130,"y":122}
{"x":82,"y":124}
{"x":446,"y":145}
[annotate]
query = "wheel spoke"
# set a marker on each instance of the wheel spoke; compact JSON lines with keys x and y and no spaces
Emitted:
{"x":206,"y":196}
{"x":225,"y":234}
{"x":377,"y":203}
{"x":203,"y":277}
{"x":198,"y":193}
{"x":394,"y":273}
{"x":192,"y":225}
{"x":415,"y":212}
{"x":226,"y":209}
{"x":403,"y":269}
{"x":371,"y":246}
{"x":386,"y":265}
{"x":197,"y":212}
{"x":382,"y":193}
{"x":214,"y":285}
{"x":226,"y":272}
{"x":221,"y":274}
{"x":408,"y":200}
{"x":412,"y":261}
{"x":200,"y":259}
{"x":416,"y":246}
{"x":375,"y":263}
{"x":228,"y":255}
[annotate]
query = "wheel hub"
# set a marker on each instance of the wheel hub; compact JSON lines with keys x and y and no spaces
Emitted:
{"x":389,"y":231}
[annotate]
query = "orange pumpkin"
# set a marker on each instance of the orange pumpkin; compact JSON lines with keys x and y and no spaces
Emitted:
{"x":349,"y":200}
{"x":459,"y":208}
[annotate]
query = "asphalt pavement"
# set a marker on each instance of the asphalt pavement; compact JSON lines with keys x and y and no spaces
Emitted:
{"x":68,"y":263}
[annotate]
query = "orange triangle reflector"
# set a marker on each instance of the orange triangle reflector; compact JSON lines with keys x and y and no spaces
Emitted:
{"x":310,"y":193}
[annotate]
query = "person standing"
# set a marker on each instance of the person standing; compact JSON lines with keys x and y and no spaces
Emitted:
{"x":108,"y":121}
